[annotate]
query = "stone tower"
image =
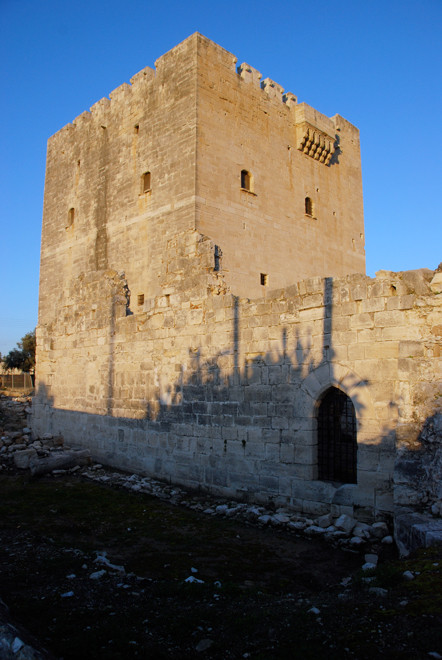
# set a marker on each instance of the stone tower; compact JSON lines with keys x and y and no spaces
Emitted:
{"x":200,"y":144}
{"x":203,"y":302}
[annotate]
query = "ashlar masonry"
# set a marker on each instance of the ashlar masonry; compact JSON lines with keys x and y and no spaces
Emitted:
{"x":204,"y":315}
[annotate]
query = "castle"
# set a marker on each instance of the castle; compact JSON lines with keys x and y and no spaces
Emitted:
{"x":204,"y":315}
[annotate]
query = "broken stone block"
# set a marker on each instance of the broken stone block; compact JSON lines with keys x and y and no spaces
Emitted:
{"x":325,"y":521}
{"x":436,"y":283}
{"x":362,"y":530}
{"x":379,"y":530}
{"x":345,"y":523}
{"x":356,"y":541}
{"x":23,"y":457}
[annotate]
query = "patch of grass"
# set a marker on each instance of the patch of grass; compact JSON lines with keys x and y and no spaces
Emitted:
{"x":55,"y":526}
{"x":388,"y":575}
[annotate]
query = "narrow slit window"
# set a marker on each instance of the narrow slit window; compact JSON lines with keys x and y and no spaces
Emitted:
{"x":217,"y":255}
{"x":146,"y":182}
{"x":140,"y":299}
{"x":308,"y":206}
{"x":246,"y":181}
{"x":71,"y":217}
{"x":264,"y":278}
{"x":136,"y":129}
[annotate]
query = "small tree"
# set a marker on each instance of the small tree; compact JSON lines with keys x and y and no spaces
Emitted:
{"x":22,"y":357}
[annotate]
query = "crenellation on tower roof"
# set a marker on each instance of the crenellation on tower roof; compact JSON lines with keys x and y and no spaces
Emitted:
{"x":249,"y":74}
{"x":100,"y":107}
{"x":272,"y":88}
{"x":120,"y":91}
{"x":290,"y":99}
{"x":143,"y":76}
{"x":81,"y":119}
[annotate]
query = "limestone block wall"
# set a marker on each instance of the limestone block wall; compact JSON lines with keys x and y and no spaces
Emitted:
{"x":171,"y":340}
{"x":213,"y":391}
{"x":100,"y":212}
{"x":164,"y":155}
{"x":291,"y":152}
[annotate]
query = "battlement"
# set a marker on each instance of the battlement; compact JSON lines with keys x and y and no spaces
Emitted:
{"x":200,"y":143}
{"x":149,"y":81}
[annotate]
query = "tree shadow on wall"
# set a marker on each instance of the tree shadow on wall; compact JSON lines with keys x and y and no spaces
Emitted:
{"x":261,"y":405}
{"x":253,"y":404}
{"x":334,"y":160}
{"x":220,"y":391}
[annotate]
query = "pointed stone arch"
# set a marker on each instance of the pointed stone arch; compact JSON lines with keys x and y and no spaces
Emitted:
{"x":310,"y":394}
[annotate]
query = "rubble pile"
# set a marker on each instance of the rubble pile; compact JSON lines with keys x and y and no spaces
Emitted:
{"x":343,"y":530}
{"x":18,"y":448}
{"x":15,"y":435}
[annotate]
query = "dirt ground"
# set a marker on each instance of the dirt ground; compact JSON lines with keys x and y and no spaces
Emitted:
{"x":97,"y":572}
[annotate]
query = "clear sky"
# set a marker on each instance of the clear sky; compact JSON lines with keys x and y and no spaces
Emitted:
{"x":375,"y":62}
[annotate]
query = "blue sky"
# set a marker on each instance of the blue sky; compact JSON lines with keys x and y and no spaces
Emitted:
{"x":377,"y":63}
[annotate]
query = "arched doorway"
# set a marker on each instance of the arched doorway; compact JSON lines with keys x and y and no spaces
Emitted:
{"x":337,"y":443}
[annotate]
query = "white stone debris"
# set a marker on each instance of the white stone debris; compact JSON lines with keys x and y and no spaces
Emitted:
{"x":356,"y":541}
{"x":345,"y":523}
{"x":264,"y":519}
{"x":314,"y":530}
{"x":193,"y":580}
{"x":101,"y":558}
{"x":371,"y":558}
{"x":325,"y":521}
{"x":203,"y":645}
{"x":97,"y":575}
{"x":387,"y":540}
{"x":342,"y":532}
{"x":280,"y":518}
{"x":362,"y":530}
{"x":17,"y":644}
{"x":314,"y":610}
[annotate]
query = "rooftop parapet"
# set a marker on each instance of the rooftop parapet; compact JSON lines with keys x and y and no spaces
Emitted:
{"x":272,"y":88}
{"x":120,"y":91}
{"x":315,"y":133}
{"x":290,"y":99}
{"x":249,"y":74}
{"x":143,"y":76}
{"x":100,"y":108}
{"x":85,"y":116}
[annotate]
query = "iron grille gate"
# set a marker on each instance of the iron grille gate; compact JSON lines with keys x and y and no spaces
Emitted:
{"x":337,"y":444}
